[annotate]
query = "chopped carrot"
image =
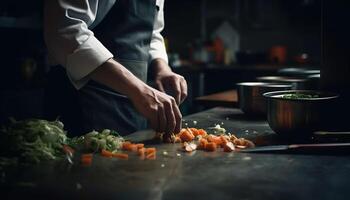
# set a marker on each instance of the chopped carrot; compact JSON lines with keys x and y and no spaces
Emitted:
{"x":224,"y":140}
{"x":141,"y":151}
{"x":133,"y":147}
{"x":151,"y":156}
{"x":121,"y":156}
{"x":211,"y":146}
{"x":186,"y":136}
{"x":126,"y":145}
{"x":216,"y":139}
{"x":194,"y":131}
{"x":87,"y":155}
{"x":86,"y":159}
{"x":202,"y":143}
{"x":106,"y":153}
{"x":150,"y":150}
{"x":68,"y":150}
{"x":202,"y":132}
{"x":140,"y":145}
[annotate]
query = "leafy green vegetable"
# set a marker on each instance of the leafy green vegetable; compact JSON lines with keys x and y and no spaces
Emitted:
{"x":36,"y":140}
{"x":33,"y":140}
{"x":300,"y":96}
{"x":95,"y":141}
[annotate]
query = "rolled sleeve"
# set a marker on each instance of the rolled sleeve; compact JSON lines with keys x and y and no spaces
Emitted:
{"x":85,"y":59}
{"x":157,"y":46}
{"x":69,"y":40}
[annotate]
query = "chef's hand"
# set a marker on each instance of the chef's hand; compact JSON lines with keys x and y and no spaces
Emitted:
{"x":159,"y":108}
{"x":168,"y":81}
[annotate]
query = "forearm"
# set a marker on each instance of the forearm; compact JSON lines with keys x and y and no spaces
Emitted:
{"x":159,"y":66}
{"x":118,"y":78}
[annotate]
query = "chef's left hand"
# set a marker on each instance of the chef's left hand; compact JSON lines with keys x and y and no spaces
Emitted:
{"x":168,"y":81}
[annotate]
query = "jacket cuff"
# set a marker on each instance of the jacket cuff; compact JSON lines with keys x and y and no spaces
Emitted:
{"x":85,"y":59}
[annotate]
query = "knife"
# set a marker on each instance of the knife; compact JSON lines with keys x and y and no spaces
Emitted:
{"x":301,"y":148}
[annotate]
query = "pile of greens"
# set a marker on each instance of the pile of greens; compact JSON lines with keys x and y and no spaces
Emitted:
{"x":33,"y":140}
{"x":36,"y":140}
{"x":96,"y":141}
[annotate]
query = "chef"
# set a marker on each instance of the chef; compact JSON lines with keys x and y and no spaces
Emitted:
{"x":103,"y":51}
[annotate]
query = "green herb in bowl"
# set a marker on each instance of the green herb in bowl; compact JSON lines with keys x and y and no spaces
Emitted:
{"x":300,"y":96}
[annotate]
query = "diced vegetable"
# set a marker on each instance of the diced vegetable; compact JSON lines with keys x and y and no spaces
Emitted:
{"x":86,"y":159}
{"x":106,"y":153}
{"x":141,"y":151}
{"x":229,"y":146}
{"x":140,"y":145}
{"x":150,"y":150}
{"x":121,"y":156}
{"x":202,"y":132}
{"x":189,"y":147}
{"x":151,"y":156}
{"x":186,"y":135}
{"x":211,"y":146}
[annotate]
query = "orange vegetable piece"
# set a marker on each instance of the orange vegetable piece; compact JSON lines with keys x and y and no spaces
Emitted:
{"x":216,"y":139}
{"x":186,"y":135}
{"x":140,"y":145}
{"x":133,"y":147}
{"x":86,"y":155}
{"x":141,"y":151}
{"x":86,"y":159}
{"x":121,"y":156}
{"x":202,"y":132}
{"x":151,"y":156}
{"x":126,"y":145}
{"x":211,"y":146}
{"x":194,"y":131}
{"x":150,"y":150}
{"x":106,"y":153}
{"x":202,"y":143}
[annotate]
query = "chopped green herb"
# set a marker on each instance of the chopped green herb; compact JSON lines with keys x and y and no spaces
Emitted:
{"x":300,"y":96}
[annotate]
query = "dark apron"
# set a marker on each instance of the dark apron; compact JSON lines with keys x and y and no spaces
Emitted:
{"x":125,"y":28}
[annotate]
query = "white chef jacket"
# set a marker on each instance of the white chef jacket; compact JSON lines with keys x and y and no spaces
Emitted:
{"x":73,"y":45}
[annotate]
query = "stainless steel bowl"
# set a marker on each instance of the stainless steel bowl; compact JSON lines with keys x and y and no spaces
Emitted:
{"x":302,"y":116}
{"x":297,"y":72}
{"x":250,"y":99}
{"x":297,"y":83}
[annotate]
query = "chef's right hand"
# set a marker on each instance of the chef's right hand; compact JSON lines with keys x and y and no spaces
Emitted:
{"x":159,"y":109}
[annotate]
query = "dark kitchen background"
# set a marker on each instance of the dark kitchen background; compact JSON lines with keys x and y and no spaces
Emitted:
{"x":266,"y":35}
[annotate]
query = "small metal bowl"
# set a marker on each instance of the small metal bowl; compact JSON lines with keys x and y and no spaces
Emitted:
{"x":297,"y":83}
{"x":250,"y":99}
{"x":300,"y":116}
{"x":297,"y":72}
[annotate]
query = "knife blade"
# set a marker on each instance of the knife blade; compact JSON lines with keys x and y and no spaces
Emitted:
{"x":321,"y":147}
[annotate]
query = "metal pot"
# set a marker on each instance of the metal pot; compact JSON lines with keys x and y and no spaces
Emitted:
{"x":297,"y":72}
{"x":250,"y":99}
{"x":297,"y":83}
{"x":302,"y":116}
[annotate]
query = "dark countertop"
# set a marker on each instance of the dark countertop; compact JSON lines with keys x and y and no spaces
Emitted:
{"x":201,"y":175}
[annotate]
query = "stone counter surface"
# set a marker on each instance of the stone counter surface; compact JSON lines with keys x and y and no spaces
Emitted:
{"x":199,"y":175}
